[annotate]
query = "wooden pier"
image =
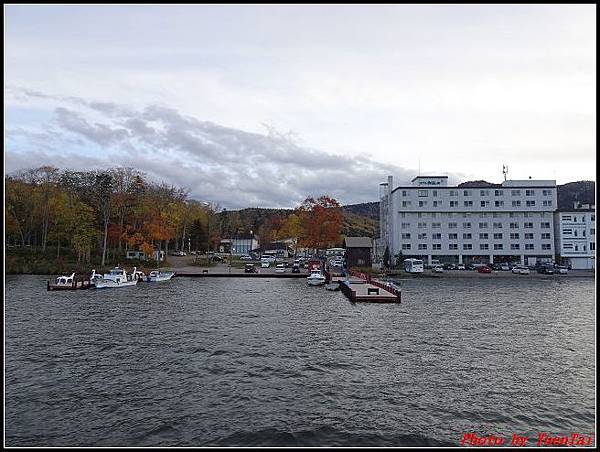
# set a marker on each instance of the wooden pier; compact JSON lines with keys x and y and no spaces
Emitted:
{"x":240,"y":275}
{"x":78,"y":284}
{"x":362,"y":288}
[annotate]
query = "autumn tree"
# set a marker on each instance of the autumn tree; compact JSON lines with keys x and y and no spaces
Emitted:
{"x":321,"y":221}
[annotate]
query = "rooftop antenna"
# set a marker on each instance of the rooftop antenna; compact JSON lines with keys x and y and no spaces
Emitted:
{"x":505,"y":171}
{"x":419,"y":165}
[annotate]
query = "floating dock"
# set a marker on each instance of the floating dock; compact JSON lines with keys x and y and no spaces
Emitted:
{"x":361,"y":288}
{"x":240,"y":275}
{"x":76,"y":285}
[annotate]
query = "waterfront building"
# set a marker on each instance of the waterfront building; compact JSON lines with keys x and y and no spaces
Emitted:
{"x":471,"y":223}
{"x":575,"y":239}
{"x":239,"y":244}
{"x":358,"y":251}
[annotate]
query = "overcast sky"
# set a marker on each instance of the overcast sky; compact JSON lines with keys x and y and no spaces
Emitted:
{"x":250,"y":105}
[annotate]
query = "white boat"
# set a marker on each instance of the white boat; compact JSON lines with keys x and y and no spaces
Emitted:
{"x":118,"y":278}
{"x":316,"y":278}
{"x":95,"y":277}
{"x":63,"y":282}
{"x":156,"y":276}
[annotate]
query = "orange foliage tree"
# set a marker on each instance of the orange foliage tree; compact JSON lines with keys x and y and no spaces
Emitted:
{"x":321,"y":221}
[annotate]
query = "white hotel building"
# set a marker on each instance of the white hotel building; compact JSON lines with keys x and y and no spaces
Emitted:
{"x":576,"y":237}
{"x":508,"y":222}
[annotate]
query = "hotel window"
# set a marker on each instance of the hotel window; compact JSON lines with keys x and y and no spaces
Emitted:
{"x":514,"y":235}
{"x":529,"y":246}
{"x":545,"y":225}
{"x":546,"y":192}
{"x":529,"y":192}
{"x":484,"y":246}
{"x":422,"y":236}
{"x":436,"y":246}
{"x":406,"y":203}
{"x":484,"y":236}
{"x":530,"y":203}
{"x":496,"y":215}
{"x":422,"y":225}
{"x":466,"y":225}
{"x":546,"y":246}
{"x":467,"y":236}
{"x":419,"y":214}
{"x":453,"y":192}
{"x":436,"y":236}
{"x":515,"y":246}
{"x":422,"y":246}
{"x":405,"y":225}
{"x":516,"y":203}
{"x":593,"y":231}
{"x":467,"y":193}
{"x":404,"y":193}
{"x":547,"y":203}
{"x":567,"y":218}
{"x":546,"y":236}
{"x":453,"y":246}
{"x":593,"y":218}
{"x":484,"y":193}
{"x":528,"y":225}
{"x":497,"y":225}
{"x":515,"y":192}
{"x":498,"y":236}
{"x":485,"y":203}
{"x":453,"y":236}
{"x":567,"y":231}
{"x":434,"y":193}
{"x":422,"y":203}
{"x":529,"y":236}
{"x":452,"y":225}
{"x":467,"y":246}
{"x":436,"y":225}
{"x":512,"y":215}
{"x":468,"y":203}
{"x":514,"y":225}
{"x":484,"y":215}
{"x":592,"y":246}
{"x":402,"y":215}
{"x":453,"y":203}
{"x":422,"y":193}
{"x":406,"y":236}
{"x":466,"y":214}
{"x":527,"y":214}
{"x":498,"y":246}
{"x":498,"y":192}
{"x":406,"y":246}
{"x":483,"y":225}
{"x":437,"y":203}
{"x":499,"y":203}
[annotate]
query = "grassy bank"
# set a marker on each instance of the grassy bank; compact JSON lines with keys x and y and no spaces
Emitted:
{"x":37,"y":262}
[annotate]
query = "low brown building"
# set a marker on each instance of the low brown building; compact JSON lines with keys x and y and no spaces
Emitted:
{"x":358,"y":251}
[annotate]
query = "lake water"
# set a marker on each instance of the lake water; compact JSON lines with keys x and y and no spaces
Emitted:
{"x":272,"y":362}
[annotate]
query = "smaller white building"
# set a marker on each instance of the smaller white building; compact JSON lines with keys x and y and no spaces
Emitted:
{"x":576,"y":236}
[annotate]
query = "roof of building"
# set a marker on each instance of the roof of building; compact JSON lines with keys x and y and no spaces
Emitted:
{"x":358,"y":242}
{"x":244,"y":236}
{"x":429,"y":177}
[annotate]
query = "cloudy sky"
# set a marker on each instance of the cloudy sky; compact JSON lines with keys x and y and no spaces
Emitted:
{"x":262,"y":105}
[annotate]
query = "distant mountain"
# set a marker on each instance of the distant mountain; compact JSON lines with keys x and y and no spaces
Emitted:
{"x":583,"y":191}
{"x":366,"y":209}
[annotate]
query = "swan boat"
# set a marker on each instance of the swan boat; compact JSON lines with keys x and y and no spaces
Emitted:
{"x":119,"y":278}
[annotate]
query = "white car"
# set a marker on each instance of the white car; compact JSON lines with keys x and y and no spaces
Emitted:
{"x":438,"y":269}
{"x":245,"y":257}
{"x":264,"y":264}
{"x":520,"y":270}
{"x":280,"y":268}
{"x":562,"y":270}
{"x":460,"y":267}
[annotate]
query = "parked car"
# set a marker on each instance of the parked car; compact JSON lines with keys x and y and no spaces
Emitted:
{"x":264,"y":264}
{"x":520,"y":270}
{"x":496,"y":267}
{"x":562,"y":270}
{"x":269,"y":257}
{"x":178,"y":253}
{"x":249,"y":268}
{"x":280,"y":268}
{"x":504,"y":267}
{"x":449,"y":267}
{"x":545,"y":269}
{"x":460,"y":267}
{"x":296,"y":268}
{"x":245,"y":257}
{"x":484,"y":269}
{"x":438,"y":269}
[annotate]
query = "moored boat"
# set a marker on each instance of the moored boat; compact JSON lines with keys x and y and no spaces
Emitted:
{"x":71,"y":282}
{"x":118,"y":278}
{"x":316,"y":278}
{"x":157,"y":276}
